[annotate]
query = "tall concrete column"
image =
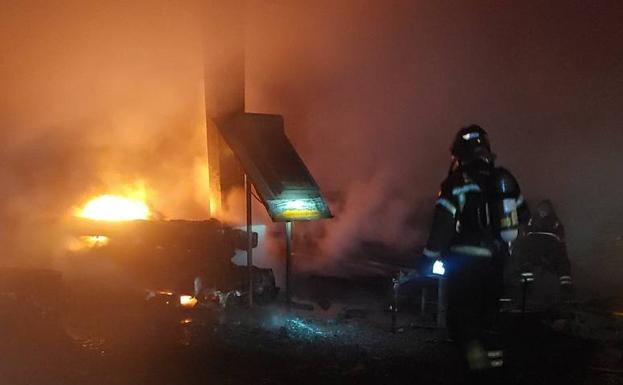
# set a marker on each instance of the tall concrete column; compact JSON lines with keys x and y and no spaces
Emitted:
{"x":224,"y":80}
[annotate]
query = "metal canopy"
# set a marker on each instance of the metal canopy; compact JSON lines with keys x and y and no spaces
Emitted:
{"x":286,"y":188}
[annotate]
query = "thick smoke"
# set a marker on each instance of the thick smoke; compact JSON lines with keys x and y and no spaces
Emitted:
{"x":372,"y":93}
{"x":97,"y":98}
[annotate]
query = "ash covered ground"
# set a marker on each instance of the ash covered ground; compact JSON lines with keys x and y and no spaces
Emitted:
{"x":103,"y":336}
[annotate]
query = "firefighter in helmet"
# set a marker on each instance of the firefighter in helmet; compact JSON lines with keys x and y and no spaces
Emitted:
{"x":542,"y":247}
{"x":476,"y":218}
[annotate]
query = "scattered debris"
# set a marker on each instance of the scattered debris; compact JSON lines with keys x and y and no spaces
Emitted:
{"x":228,"y":298}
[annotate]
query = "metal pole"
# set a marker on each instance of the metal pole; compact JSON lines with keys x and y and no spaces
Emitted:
{"x":441,"y":302}
{"x":423,"y":301}
{"x":288,"y":262}
{"x":247,"y":187}
{"x":394,"y":306}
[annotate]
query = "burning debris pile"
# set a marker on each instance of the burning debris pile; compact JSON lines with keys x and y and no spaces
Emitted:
{"x":176,"y":255}
{"x":192,"y":259}
{"x":115,"y":208}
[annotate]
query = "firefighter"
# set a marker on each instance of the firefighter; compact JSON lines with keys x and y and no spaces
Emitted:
{"x":542,"y":247}
{"x":476,"y":219}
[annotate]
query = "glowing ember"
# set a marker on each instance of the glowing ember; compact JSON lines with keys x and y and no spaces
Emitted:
{"x":94,"y":240}
{"x":115,"y":208}
{"x":86,"y":242}
{"x":188,"y":301}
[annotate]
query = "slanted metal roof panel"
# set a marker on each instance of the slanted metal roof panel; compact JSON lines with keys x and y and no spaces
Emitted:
{"x":285,"y":185}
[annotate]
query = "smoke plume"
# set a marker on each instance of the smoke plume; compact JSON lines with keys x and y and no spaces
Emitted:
{"x":372,"y":93}
{"x":97,"y":98}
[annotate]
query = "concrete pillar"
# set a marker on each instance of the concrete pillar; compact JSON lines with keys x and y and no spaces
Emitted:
{"x":224,"y":74}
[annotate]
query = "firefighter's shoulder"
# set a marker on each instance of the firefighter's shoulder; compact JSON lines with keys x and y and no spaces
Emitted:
{"x":453,"y":180}
{"x":503,"y":182}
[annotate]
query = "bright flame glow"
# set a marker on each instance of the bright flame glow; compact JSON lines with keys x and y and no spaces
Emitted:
{"x":115,"y":208}
{"x":188,"y":301}
{"x":93,"y":241}
{"x":86,"y":242}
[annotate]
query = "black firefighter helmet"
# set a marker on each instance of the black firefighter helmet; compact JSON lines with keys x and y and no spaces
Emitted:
{"x":471,"y":143}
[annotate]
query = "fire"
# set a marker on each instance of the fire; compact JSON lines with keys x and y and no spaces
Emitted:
{"x":93,"y":241}
{"x":87,"y":242}
{"x":115,"y":208}
{"x":188,"y":301}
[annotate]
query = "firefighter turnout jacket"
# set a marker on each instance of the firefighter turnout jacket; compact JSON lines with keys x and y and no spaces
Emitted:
{"x":477,"y":212}
{"x":476,"y":218}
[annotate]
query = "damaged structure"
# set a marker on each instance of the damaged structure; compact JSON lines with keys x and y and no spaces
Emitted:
{"x":195,"y":257}
{"x":173,"y":255}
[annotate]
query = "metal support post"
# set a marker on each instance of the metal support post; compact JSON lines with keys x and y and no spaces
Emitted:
{"x":423,"y":300}
{"x":441,"y":302}
{"x":247,"y":187}
{"x":288,"y":263}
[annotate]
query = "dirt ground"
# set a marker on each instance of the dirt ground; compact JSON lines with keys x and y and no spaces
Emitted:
{"x":117,"y":340}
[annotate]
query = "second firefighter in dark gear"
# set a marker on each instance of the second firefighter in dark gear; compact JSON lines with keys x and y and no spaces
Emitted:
{"x":543,"y":247}
{"x":476,"y":218}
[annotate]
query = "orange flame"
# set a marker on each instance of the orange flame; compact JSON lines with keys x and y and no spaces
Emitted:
{"x":126,"y":207}
{"x":87,"y":242}
{"x":188,"y":301}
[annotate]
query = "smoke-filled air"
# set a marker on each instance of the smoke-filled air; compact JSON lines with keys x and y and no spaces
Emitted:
{"x":389,"y":243}
{"x":98,"y":99}
{"x":373,"y":93}
{"x":107,"y":98}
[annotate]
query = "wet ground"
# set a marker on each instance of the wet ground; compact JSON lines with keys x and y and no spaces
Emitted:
{"x":101,"y":338}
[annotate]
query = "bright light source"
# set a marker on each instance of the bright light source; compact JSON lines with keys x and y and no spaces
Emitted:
{"x":93,"y":241}
{"x":114,"y":208}
{"x":86,"y":242}
{"x":188,"y":301}
{"x":438,"y":268}
{"x":297,"y":204}
{"x":298,"y":209}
